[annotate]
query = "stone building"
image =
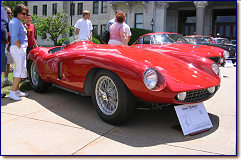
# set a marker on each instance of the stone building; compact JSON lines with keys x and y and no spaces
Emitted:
{"x":184,"y":17}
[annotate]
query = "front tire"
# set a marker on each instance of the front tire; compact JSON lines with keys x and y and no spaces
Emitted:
{"x":36,"y":81}
{"x":113,"y":101}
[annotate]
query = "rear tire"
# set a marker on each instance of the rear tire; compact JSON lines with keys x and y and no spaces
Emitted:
{"x":36,"y":81}
{"x":113,"y":101}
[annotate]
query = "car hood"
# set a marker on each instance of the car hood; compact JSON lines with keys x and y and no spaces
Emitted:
{"x":205,"y":51}
{"x":181,"y":71}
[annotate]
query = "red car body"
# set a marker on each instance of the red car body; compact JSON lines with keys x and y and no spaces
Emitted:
{"x":183,"y":47}
{"x":75,"y":66}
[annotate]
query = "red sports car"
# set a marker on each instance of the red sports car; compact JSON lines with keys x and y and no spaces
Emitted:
{"x":115,"y":76}
{"x":176,"y":42}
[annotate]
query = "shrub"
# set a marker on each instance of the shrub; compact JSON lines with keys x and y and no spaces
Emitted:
{"x":95,"y":40}
{"x":98,"y":37}
{"x":136,"y":33}
{"x":60,"y":42}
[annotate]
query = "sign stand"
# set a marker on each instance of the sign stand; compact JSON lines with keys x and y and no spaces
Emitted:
{"x":195,"y":133}
{"x":193,"y":118}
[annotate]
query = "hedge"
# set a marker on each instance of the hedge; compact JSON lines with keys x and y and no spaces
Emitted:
{"x":95,"y":40}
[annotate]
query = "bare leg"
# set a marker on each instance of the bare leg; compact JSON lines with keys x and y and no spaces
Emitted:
{"x":16,"y":81}
{"x":7,"y":71}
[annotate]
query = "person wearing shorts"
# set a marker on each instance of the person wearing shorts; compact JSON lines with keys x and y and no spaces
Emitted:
{"x":19,"y":43}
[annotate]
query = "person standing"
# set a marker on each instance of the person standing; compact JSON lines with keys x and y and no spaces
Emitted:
{"x":117,"y":32}
{"x":19,"y":43}
{"x":126,"y":26}
{"x":84,"y":27}
{"x":211,"y":37}
{"x":4,"y":38}
{"x":31,"y":33}
{"x":6,"y":82}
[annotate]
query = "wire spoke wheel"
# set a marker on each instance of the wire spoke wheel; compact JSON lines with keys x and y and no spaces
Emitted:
{"x":36,"y":82}
{"x":34,"y":74}
{"x":106,"y":95}
{"x":112,"y":100}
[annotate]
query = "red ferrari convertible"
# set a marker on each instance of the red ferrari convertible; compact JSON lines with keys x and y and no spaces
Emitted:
{"x":177,"y":43}
{"x":115,"y":76}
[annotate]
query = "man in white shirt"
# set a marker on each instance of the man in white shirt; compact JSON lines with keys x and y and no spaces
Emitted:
{"x":126,"y":26}
{"x":84,"y":27}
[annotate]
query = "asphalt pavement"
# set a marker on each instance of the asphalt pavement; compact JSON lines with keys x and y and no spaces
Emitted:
{"x":63,"y":123}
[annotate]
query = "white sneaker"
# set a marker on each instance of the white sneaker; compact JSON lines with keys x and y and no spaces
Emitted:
{"x":14,"y":96}
{"x":21,"y":94}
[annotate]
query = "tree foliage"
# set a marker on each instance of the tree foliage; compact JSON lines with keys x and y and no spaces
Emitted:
{"x":12,"y":4}
{"x":54,"y":26}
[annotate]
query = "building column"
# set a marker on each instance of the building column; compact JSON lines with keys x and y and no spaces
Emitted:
{"x":130,"y":16}
{"x":200,"y":14}
{"x":160,"y":16}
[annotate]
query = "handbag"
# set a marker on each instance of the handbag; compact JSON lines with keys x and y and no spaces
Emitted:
{"x":105,"y":37}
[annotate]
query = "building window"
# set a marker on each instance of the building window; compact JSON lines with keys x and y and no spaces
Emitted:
{"x":45,"y":10}
{"x":72,"y":8}
{"x":35,"y":10}
{"x":104,"y":7}
{"x":80,"y":8}
{"x":95,"y":30}
{"x":139,"y":20}
{"x":95,"y":7}
{"x":54,"y":9}
{"x":103,"y":28}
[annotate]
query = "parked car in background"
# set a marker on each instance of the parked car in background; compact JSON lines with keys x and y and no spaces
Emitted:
{"x":117,"y":75}
{"x":177,"y":44}
{"x":216,"y":42}
{"x":233,"y":41}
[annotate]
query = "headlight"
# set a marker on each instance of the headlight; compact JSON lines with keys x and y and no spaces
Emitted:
{"x":181,"y":96}
{"x":211,"y":89}
{"x":215,"y":68}
{"x":150,"y":78}
{"x":225,"y":54}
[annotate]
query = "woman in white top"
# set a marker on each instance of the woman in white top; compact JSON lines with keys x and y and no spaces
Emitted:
{"x":117,"y":31}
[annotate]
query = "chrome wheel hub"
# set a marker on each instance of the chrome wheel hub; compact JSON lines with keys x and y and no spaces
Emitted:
{"x":34,"y":74}
{"x":106,"y":95}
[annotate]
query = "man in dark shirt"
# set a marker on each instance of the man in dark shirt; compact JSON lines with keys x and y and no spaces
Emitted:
{"x":4,"y":38}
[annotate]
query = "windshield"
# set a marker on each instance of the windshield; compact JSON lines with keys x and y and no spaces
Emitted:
{"x":222,"y":41}
{"x":169,"y":38}
{"x":202,"y":40}
{"x":68,"y":40}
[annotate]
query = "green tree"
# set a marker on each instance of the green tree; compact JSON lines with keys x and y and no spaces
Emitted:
{"x":55,"y":26}
{"x":12,"y":4}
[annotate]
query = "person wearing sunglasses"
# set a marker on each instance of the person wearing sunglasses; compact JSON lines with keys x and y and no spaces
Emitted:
{"x":19,"y":43}
{"x":6,"y":82}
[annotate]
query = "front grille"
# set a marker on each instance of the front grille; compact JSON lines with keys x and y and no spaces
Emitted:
{"x":198,"y":95}
{"x":232,"y":54}
{"x":215,"y":59}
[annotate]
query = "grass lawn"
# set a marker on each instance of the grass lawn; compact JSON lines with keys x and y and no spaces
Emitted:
{"x":24,"y":86}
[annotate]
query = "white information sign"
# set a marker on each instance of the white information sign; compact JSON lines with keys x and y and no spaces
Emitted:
{"x":193,"y":118}
{"x":228,"y":63}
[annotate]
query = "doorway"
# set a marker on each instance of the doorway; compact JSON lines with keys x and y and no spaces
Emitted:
{"x":186,"y":22}
{"x":224,"y":23}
